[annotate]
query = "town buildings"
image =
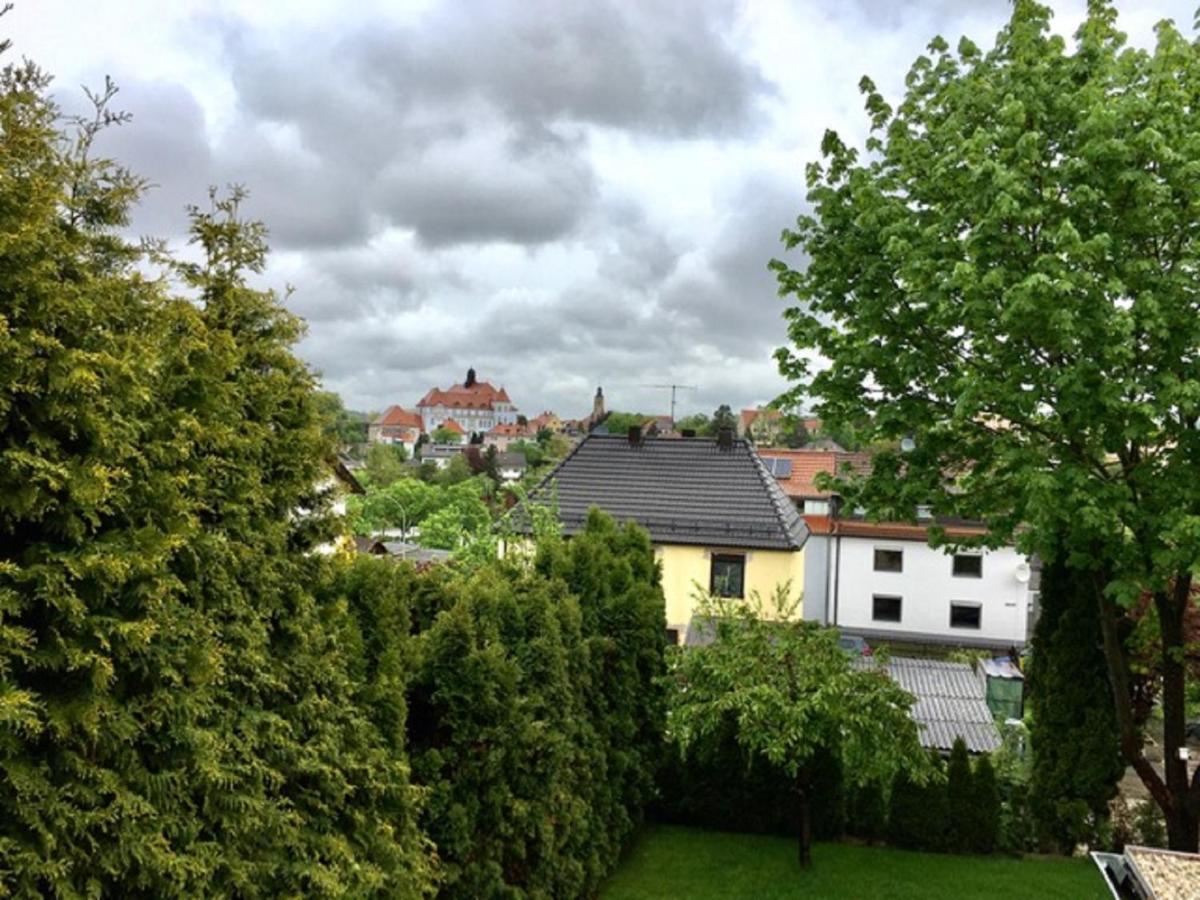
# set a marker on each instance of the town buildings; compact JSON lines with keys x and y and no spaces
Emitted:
{"x":396,"y":425}
{"x":476,"y":406}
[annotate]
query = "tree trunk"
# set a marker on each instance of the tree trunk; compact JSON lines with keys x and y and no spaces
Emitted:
{"x":804,"y":818}
{"x":1178,"y":800}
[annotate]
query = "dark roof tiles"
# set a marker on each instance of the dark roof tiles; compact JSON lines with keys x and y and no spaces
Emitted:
{"x":683,"y":491}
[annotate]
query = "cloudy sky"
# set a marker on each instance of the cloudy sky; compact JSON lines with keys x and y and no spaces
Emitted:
{"x":561,"y":194}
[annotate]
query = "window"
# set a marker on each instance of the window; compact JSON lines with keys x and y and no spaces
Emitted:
{"x":816,"y":507}
{"x":885,"y":608}
{"x":965,"y":615}
{"x":887,"y":560}
{"x":672,"y":637}
{"x":968,"y":565}
{"x":728,"y":574}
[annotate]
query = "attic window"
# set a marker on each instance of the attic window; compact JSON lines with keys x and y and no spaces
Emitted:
{"x":728,"y":575}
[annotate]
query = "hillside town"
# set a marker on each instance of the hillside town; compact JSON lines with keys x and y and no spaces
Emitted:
{"x":620,"y":451}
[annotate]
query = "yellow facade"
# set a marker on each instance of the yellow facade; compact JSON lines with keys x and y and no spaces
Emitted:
{"x":686,"y":569}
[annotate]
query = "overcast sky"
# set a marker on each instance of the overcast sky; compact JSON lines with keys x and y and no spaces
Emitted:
{"x":560,"y":194}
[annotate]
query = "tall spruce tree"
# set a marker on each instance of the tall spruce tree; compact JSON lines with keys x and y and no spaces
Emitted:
{"x":1076,"y":747}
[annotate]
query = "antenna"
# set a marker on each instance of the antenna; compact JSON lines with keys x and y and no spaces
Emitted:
{"x":674,"y":388}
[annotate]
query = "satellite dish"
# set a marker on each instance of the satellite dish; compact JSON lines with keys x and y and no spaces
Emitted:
{"x":907,"y":445}
{"x":1023,"y":572}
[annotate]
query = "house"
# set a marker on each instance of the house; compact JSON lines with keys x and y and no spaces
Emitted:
{"x":337,"y":487}
{"x":475,"y":406}
{"x":763,"y":426}
{"x":548,"y":421}
{"x":396,"y":425}
{"x":501,"y":436}
{"x":441,"y":454}
{"x":718,"y":519}
{"x":453,"y":432}
{"x":1147,"y":873}
{"x":510,"y":466}
{"x":421,"y":557}
{"x":882,"y":580}
{"x":951,"y":702}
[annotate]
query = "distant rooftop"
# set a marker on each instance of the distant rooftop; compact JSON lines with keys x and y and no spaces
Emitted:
{"x":683,"y":491}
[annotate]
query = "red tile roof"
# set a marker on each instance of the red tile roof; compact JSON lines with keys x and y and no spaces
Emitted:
{"x":505,"y":429}
{"x":480,"y":395}
{"x":807,"y":464}
{"x":451,"y":425}
{"x":398,"y":417}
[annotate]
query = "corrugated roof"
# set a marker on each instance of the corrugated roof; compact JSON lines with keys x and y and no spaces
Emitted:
{"x":951,"y":702}
{"x":683,"y":491}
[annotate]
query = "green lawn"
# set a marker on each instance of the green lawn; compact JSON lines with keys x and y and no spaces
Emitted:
{"x":684,"y":862}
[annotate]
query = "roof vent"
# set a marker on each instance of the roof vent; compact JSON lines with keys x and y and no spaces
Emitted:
{"x":635,"y":435}
{"x":725,"y":438}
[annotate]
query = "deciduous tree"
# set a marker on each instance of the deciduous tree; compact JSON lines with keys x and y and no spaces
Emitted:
{"x":792,"y":692}
{"x":1009,"y":278}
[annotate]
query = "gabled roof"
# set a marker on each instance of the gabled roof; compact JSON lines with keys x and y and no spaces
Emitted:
{"x":451,"y":425}
{"x":951,"y":702}
{"x":750,"y":416}
{"x":683,"y":491}
{"x":510,"y":429}
{"x":807,"y":464}
{"x":398,"y":417}
{"x":480,"y":395}
{"x":511,"y":460}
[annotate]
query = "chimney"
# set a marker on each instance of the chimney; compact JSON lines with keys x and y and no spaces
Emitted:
{"x":725,"y":438}
{"x":635,"y":435}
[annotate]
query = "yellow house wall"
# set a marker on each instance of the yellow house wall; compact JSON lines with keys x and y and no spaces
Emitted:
{"x":683,"y":568}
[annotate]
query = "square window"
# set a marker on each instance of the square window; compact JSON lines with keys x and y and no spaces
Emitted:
{"x":728,"y":576}
{"x":887,"y":560}
{"x":966,"y":615}
{"x":968,"y":565}
{"x":885,"y":608}
{"x":672,"y":637}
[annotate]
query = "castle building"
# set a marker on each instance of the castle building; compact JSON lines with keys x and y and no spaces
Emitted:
{"x":476,"y":406}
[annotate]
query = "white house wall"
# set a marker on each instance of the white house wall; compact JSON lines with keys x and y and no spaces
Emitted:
{"x":927,"y":588}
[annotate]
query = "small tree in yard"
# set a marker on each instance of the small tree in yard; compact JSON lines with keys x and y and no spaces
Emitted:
{"x":1009,"y":280}
{"x":959,"y":799}
{"x":792,"y":693}
{"x":985,"y":810}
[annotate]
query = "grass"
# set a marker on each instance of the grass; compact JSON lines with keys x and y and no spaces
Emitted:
{"x":669,"y":861}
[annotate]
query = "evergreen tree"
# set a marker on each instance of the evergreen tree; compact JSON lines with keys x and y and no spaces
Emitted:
{"x":960,"y":791}
{"x":867,"y":812}
{"x":1076,"y":757}
{"x":985,"y":808}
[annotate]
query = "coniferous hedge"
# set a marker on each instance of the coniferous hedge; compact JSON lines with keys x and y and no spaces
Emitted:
{"x":192,"y":701}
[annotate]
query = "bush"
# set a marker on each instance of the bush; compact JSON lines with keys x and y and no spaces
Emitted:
{"x":867,"y":812}
{"x":719,"y":785}
{"x":917,"y":817}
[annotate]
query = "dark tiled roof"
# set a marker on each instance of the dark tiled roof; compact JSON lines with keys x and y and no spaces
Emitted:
{"x":683,"y":491}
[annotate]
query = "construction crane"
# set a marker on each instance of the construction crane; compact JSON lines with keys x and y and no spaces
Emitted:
{"x":673,"y":388}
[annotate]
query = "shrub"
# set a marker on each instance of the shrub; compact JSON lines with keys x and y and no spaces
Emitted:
{"x":917,"y":817}
{"x":867,"y":812}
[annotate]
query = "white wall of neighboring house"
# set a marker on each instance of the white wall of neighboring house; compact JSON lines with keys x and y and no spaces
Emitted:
{"x":510,"y":474}
{"x":927,"y":588}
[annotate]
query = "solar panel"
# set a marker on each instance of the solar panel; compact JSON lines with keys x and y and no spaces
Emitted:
{"x":783,"y":468}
